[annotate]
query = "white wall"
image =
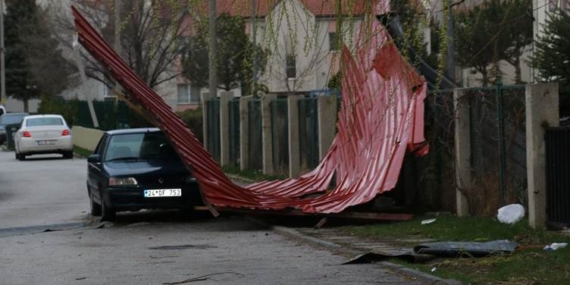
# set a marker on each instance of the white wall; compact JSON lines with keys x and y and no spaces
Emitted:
{"x":290,"y":27}
{"x":471,"y":80}
{"x":14,"y":106}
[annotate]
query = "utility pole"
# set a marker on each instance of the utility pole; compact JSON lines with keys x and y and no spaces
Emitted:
{"x":254,"y":40}
{"x":450,"y":66}
{"x":2,"y":57}
{"x":118,"y":27}
{"x":205,"y":97}
{"x":213,"y":50}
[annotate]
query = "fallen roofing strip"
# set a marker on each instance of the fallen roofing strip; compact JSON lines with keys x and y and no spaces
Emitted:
{"x":381,"y":117}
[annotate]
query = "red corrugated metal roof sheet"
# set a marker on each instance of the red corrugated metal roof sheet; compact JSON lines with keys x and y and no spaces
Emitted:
{"x":381,"y":116}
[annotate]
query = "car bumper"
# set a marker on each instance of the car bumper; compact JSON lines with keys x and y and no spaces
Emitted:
{"x":132,"y":198}
{"x":32,"y":146}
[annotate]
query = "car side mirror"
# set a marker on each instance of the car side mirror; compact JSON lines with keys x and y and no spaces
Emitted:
{"x":94,"y":158}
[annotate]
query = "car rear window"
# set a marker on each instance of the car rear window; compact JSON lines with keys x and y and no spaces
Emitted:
{"x":8,"y":119}
{"x":150,"y":145}
{"x":34,"y":122}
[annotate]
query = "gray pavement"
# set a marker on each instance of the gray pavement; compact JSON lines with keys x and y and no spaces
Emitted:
{"x":42,"y":190}
{"x":217,"y":251}
{"x":47,"y":237}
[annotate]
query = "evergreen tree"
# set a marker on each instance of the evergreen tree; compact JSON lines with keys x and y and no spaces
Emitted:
{"x":234,"y":61}
{"x":34,"y":64}
{"x":518,"y":33}
{"x":493,"y":31}
{"x":552,"y":51}
{"x":473,"y":36}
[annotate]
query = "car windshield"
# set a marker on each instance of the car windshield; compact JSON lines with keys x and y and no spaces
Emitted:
{"x":143,"y":146}
{"x":46,"y":121}
{"x":11,"y":119}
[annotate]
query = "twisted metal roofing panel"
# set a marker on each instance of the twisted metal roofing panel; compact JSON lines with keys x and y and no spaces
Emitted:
{"x":381,"y":117}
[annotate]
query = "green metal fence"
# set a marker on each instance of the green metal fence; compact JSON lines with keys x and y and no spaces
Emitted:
{"x":498,"y":143}
{"x":280,"y":136}
{"x":498,"y":148}
{"x":308,"y":133}
{"x":234,"y":125}
{"x":255,"y":156}
{"x":110,"y":114}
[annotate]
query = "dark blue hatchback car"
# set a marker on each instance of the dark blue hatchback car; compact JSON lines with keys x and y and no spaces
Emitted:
{"x":135,"y":169}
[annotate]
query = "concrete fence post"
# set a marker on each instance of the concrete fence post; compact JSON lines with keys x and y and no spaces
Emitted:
{"x":327,"y":110}
{"x":294,"y":148}
{"x":244,"y":131}
{"x":266,"y":135}
{"x":541,"y":111}
{"x":462,"y":151}
{"x":225,"y":99}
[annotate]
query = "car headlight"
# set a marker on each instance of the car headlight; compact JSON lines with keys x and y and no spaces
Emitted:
{"x":122,"y":181}
{"x":189,"y":179}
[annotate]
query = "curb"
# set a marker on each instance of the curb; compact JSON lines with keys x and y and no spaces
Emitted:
{"x":292,"y":233}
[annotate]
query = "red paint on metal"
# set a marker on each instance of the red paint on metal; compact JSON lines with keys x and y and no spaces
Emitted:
{"x":381,"y":117}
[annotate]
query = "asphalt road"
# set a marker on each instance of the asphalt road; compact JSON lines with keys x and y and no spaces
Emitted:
{"x":43,"y":207}
{"x":42,"y":190}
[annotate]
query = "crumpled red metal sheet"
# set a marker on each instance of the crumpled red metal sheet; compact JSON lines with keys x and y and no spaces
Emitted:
{"x":381,"y":117}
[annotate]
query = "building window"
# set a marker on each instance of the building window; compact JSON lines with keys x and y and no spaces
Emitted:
{"x":188,"y":94}
{"x":291,"y":63}
{"x":183,"y":43}
{"x":109,"y":86}
{"x":334,"y":44}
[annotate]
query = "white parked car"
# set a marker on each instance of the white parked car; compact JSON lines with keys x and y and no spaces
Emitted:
{"x":40,"y":134}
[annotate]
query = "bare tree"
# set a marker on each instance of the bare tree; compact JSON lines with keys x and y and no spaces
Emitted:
{"x":152,"y":35}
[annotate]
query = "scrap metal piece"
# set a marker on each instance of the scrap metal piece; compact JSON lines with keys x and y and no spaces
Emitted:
{"x":468,"y":249}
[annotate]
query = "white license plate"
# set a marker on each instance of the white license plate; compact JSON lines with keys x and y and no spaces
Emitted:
{"x":50,"y":142}
{"x":163,"y":193}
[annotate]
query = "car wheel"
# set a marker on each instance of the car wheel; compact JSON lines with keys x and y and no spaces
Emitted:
{"x":68,"y":154}
{"x":95,"y":208}
{"x":21,"y":156}
{"x":107,"y":213}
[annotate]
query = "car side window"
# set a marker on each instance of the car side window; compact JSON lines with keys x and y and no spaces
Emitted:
{"x":99,"y":147}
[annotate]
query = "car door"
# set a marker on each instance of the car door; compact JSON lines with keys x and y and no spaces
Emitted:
{"x":95,"y":172}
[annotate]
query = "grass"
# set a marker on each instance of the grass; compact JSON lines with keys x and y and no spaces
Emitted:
{"x":81,"y":151}
{"x":524,"y":266}
{"x":251,"y":174}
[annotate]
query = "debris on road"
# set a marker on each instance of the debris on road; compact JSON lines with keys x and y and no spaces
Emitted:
{"x":555,"y":246}
{"x":427,"y":222}
{"x":511,"y":214}
{"x":471,"y":249}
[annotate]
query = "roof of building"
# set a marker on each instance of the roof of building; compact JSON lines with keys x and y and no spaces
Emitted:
{"x":320,"y":8}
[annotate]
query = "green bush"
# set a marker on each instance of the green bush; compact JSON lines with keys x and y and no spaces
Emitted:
{"x":57,"y":105}
{"x":193,"y":119}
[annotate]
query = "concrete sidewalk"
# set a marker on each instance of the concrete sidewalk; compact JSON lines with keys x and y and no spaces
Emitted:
{"x":351,"y":247}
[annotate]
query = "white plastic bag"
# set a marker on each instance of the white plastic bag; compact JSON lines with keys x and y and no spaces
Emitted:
{"x":555,"y":246}
{"x":511,"y":214}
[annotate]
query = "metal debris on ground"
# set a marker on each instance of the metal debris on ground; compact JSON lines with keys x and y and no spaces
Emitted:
{"x":466,"y":249}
